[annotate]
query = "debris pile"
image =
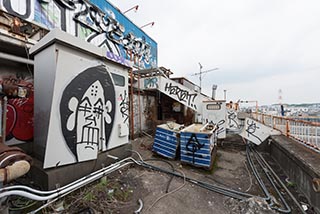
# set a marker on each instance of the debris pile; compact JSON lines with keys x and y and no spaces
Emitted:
{"x":250,"y":206}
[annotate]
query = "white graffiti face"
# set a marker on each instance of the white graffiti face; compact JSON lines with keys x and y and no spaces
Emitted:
{"x":89,"y":116}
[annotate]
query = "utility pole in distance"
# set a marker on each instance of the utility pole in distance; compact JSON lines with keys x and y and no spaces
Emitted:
{"x":202,"y":72}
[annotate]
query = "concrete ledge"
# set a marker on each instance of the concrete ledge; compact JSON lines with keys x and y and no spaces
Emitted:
{"x":51,"y":178}
{"x":301,"y":164}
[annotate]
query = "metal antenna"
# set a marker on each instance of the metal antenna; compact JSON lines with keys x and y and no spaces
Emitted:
{"x":202,"y":72}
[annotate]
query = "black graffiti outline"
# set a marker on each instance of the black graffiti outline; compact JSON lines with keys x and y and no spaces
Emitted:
{"x":8,"y":6}
{"x":231,"y":118}
{"x":220,"y":128}
{"x":182,"y":95}
{"x":77,"y":88}
{"x":195,"y":147}
{"x":124,"y":106}
{"x":252,"y":127}
{"x":113,"y":32}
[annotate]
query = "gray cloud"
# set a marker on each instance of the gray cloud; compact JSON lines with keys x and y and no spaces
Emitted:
{"x":251,"y":42}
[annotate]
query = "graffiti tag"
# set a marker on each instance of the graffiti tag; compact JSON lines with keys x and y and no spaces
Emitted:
{"x":232,"y":122}
{"x":252,"y":128}
{"x":193,"y":146}
{"x":182,"y":95}
{"x":124,"y":106}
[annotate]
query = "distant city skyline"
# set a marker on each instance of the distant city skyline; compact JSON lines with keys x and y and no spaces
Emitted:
{"x":258,"y":46}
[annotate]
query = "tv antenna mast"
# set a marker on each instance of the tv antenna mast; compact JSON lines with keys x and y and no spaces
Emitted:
{"x":202,"y":72}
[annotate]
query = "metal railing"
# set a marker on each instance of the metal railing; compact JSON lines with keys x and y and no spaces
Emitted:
{"x":306,"y":132}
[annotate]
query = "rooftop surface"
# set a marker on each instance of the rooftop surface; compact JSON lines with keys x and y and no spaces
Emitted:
{"x":162,"y":193}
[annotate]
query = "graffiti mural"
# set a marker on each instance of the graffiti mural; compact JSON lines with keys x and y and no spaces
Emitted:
{"x":87,"y":112}
{"x":19,"y":90}
{"x":96,"y":21}
{"x":181,"y":94}
{"x":118,"y":59}
{"x":151,"y":83}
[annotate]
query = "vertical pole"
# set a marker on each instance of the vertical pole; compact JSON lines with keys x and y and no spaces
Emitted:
{"x":131,"y":100}
{"x":200,"y":76}
{"x":4,"y":121}
{"x":1,"y":120}
{"x":139,"y":107}
{"x":200,"y":81}
{"x":287,"y":128}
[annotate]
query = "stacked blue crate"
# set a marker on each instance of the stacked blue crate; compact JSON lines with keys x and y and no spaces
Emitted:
{"x":166,"y":141}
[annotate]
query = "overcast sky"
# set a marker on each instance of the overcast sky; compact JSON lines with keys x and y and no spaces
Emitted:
{"x":259,"y":46}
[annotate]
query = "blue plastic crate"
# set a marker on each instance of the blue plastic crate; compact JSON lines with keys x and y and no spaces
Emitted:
{"x":166,"y":140}
{"x":198,"y":145}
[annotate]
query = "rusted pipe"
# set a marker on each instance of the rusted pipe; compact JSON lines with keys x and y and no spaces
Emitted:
{"x":4,"y":118}
{"x":14,"y":171}
{"x":139,"y":108}
{"x":131,"y":98}
{"x":131,"y":105}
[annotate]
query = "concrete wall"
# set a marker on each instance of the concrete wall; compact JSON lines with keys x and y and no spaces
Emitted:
{"x":300,"y":164}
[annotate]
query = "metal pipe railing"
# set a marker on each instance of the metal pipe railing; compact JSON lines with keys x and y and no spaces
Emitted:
{"x":306,"y":132}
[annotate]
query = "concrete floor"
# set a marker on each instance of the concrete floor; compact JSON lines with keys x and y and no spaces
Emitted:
{"x":230,"y":170}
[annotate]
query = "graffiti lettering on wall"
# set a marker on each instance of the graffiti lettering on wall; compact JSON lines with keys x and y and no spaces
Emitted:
{"x":181,"y":95}
{"x":151,"y":82}
{"x":19,"y":91}
{"x":24,"y":12}
{"x":232,"y":119}
{"x":118,"y":59}
{"x":124,"y":106}
{"x":97,"y":24}
{"x":252,"y":128}
{"x":193,"y":146}
{"x":87,"y":111}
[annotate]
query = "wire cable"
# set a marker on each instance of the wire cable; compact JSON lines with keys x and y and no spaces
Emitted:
{"x":172,"y":167}
{"x":171,"y":192}
{"x":247,"y":190}
{"x":282,"y":184}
